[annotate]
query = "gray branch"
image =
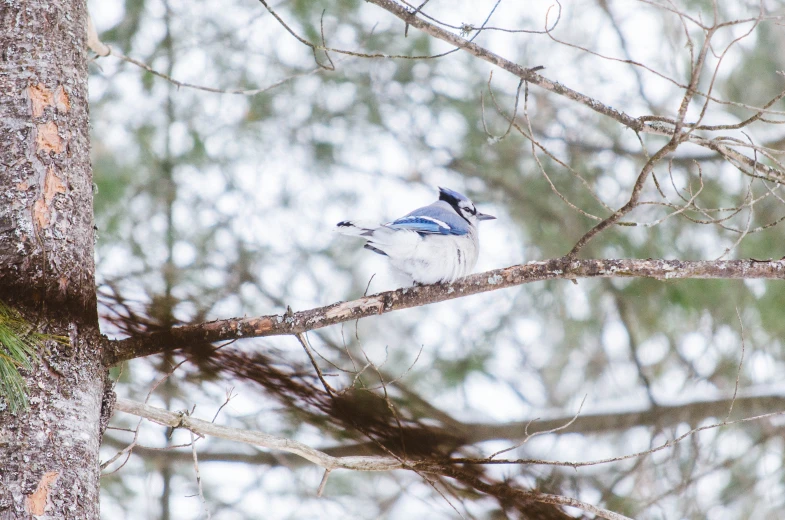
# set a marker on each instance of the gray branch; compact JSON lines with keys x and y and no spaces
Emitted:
{"x":118,"y":351}
{"x":256,"y":438}
{"x":357,"y":463}
{"x":661,"y":416}
{"x":643,"y":125}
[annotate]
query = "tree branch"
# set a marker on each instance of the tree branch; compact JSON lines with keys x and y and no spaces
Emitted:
{"x":661,"y":126}
{"x":181,"y":420}
{"x":103,"y":50}
{"x":632,"y":202}
{"x":662,"y":416}
{"x":118,"y":351}
{"x":527,"y":74}
{"x":175,"y":455}
{"x":357,"y":463}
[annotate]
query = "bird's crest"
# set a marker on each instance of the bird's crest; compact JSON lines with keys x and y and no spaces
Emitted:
{"x":451,"y":197}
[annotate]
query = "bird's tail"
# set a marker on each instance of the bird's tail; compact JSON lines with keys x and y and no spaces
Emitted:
{"x":378,"y":236}
{"x":355,"y":229}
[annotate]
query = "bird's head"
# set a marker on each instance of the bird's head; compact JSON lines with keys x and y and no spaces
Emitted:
{"x":463,"y":206}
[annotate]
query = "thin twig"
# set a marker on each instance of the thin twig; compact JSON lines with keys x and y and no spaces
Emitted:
{"x":738,"y":371}
{"x":535,"y":434}
{"x":304,"y":342}
{"x":199,"y":476}
{"x":572,"y":464}
{"x":323,"y":483}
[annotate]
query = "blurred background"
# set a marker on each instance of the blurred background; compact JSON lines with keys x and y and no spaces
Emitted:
{"x":214,"y":205}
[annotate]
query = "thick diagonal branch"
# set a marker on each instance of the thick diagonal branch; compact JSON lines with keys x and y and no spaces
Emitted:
{"x":558,"y":268}
{"x":524,"y":73}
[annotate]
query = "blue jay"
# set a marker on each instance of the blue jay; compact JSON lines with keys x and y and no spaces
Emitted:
{"x":437,"y":243}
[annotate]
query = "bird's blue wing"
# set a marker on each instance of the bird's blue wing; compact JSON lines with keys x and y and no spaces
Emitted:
{"x":432,"y":220}
{"x":422,"y":225}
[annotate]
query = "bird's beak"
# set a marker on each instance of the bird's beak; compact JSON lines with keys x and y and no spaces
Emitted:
{"x":483,"y":216}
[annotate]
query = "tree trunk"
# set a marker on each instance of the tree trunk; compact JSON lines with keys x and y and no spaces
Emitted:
{"x":49,"y":452}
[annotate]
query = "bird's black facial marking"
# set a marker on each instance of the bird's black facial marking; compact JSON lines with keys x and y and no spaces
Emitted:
{"x":459,"y":210}
{"x":469,"y":209}
{"x":464,"y":210}
{"x":449,"y":199}
{"x":456,"y":205}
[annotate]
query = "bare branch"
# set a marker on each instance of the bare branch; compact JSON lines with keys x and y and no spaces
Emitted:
{"x":199,"y":476}
{"x":329,"y":463}
{"x":661,"y":416}
{"x":632,"y":202}
{"x":323,"y":483}
{"x":666,"y":445}
{"x":103,"y":50}
{"x":118,"y":351}
{"x":738,"y":371}
{"x":180,"y":420}
{"x":527,"y":74}
{"x":589,"y":508}
{"x":304,"y":342}
{"x":466,"y":28}
{"x":530,"y":136}
{"x":656,"y":125}
{"x":127,"y":450}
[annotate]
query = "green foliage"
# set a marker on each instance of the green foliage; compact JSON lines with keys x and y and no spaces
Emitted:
{"x":19,"y":345}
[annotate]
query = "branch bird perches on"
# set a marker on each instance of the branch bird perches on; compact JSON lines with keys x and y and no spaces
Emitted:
{"x":558,"y":268}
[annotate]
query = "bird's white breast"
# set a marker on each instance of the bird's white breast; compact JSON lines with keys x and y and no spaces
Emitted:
{"x":435,"y":258}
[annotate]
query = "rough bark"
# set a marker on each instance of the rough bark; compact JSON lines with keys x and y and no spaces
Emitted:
{"x":49,"y":452}
{"x":557,"y":268}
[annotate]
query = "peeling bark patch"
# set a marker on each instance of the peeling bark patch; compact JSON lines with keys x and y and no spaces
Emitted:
{"x":40,"y":98}
{"x":347,"y":309}
{"x":36,"y":503}
{"x":52,"y":186}
{"x":263,"y":325}
{"x":41,"y":214}
{"x":62,"y":103}
{"x":47,"y":139}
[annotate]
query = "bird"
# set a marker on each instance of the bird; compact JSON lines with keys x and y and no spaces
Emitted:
{"x":438,"y":243}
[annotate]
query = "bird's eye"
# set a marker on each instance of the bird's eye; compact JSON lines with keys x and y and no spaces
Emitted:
{"x":469,"y":209}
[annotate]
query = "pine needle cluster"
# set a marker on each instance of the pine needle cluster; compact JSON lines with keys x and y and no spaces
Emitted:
{"x":19,"y":347}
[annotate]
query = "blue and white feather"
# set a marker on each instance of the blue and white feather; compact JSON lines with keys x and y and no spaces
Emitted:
{"x":436,"y":243}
